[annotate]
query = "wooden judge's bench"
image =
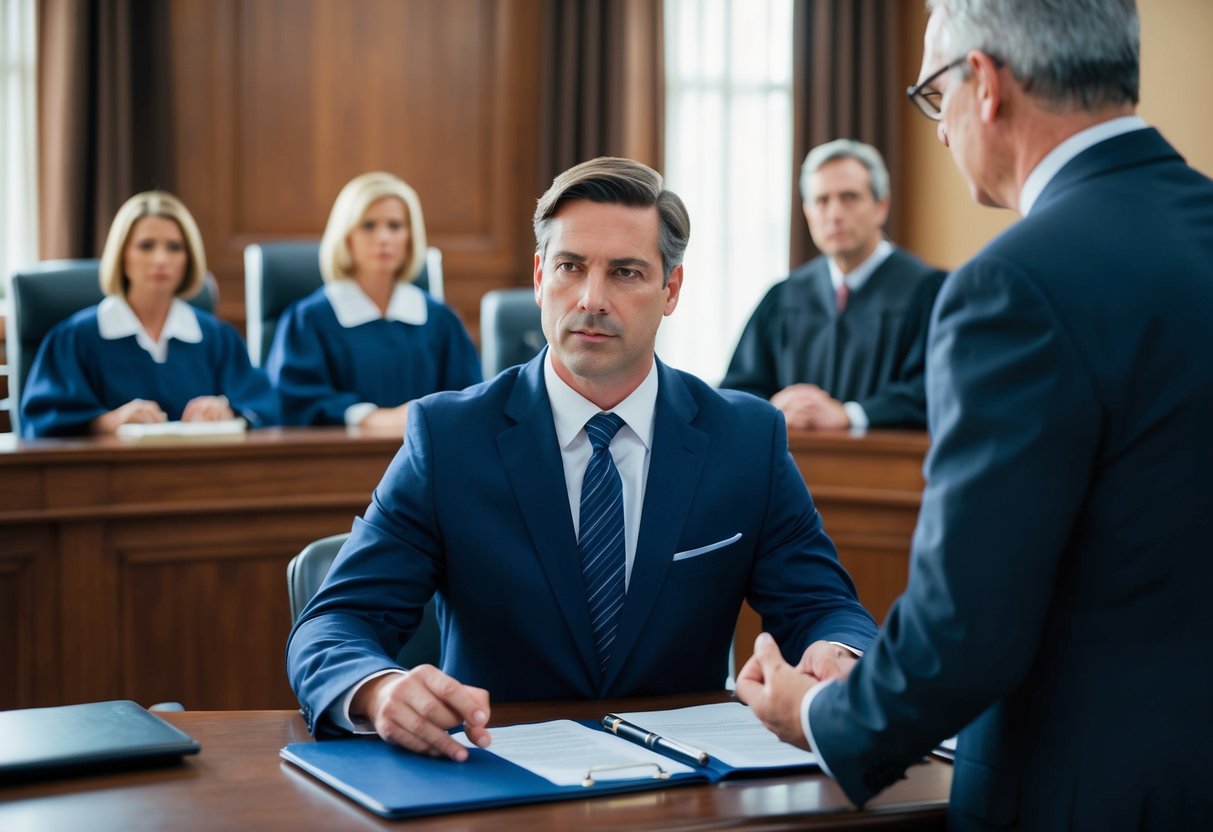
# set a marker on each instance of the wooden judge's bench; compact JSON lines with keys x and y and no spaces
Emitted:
{"x":156,"y":571}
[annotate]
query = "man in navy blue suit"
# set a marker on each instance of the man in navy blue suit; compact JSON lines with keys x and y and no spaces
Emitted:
{"x":484,"y":502}
{"x":1057,"y":613}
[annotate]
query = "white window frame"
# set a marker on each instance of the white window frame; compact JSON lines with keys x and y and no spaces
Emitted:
{"x":728,"y":140}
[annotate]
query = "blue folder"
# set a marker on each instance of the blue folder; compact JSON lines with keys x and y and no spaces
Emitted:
{"x":396,"y":783}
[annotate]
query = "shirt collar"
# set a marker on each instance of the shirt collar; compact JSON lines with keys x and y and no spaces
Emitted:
{"x":116,"y":319}
{"x":571,"y":410}
{"x":353,"y":307}
{"x":859,"y":275}
{"x":1057,"y":158}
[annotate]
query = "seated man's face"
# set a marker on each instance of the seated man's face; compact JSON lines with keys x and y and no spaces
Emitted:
{"x":844,"y":218}
{"x":600,"y":285}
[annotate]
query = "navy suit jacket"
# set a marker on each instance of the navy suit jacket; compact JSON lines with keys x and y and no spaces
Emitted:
{"x":1058,"y":602}
{"x":475,"y":507}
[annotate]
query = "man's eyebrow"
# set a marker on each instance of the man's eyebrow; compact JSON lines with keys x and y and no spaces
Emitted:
{"x":630,"y":261}
{"x":570,"y":255}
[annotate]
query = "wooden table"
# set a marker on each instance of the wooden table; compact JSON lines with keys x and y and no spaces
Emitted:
{"x":238,"y":782}
{"x":156,"y":571}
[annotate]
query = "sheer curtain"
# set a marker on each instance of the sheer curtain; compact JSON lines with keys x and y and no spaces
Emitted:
{"x":728,"y":146}
{"x":18,"y":167}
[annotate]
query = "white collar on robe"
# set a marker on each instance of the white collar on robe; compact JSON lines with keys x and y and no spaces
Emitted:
{"x":859,"y":275}
{"x":116,"y":319}
{"x":353,"y":307}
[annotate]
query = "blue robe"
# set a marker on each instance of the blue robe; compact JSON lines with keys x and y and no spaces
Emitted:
{"x":78,"y":376}
{"x":320,"y":368}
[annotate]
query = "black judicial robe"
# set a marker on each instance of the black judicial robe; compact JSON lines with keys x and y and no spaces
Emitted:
{"x":873,"y":353}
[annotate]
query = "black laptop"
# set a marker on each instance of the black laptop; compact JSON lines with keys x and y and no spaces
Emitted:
{"x":93,"y":737}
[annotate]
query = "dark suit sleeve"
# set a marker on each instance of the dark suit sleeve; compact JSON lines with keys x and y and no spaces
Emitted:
{"x":1011,"y":410}
{"x":752,"y":369}
{"x":902,"y":401}
{"x":798,"y":585}
{"x":374,"y":596}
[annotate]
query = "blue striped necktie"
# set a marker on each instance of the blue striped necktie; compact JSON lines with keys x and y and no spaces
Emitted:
{"x":600,"y":536}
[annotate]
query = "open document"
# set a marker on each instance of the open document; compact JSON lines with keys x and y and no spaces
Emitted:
{"x":564,"y":752}
{"x":140,"y":432}
{"x":568,"y":753}
{"x":728,"y":731}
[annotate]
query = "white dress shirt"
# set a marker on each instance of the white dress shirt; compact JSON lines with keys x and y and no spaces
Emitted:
{"x":1057,"y":158}
{"x":631,"y":447}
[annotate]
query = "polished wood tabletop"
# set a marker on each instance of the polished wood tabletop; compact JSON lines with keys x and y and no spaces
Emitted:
{"x":238,"y":781}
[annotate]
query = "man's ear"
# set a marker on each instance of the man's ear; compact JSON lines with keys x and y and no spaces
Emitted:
{"x":538,"y":278}
{"x":989,"y":83}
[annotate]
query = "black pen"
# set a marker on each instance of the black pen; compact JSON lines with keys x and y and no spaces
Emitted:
{"x":618,"y":726}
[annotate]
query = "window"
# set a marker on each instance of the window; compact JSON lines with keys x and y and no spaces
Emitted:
{"x":18,"y":163}
{"x":728,"y":155}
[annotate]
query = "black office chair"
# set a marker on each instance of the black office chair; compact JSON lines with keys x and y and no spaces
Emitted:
{"x":510,"y":329}
{"x":278,"y":274}
{"x":305,"y":573}
{"x":44,"y":294}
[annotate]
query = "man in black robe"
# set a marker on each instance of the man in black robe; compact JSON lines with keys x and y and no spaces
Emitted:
{"x":842,"y":341}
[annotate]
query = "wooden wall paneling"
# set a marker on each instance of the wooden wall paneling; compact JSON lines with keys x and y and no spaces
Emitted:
{"x":205,"y":617}
{"x":88,"y":611}
{"x":28,"y":625}
{"x":280,"y":102}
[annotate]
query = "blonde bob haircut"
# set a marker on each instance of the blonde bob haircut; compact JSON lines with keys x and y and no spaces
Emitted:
{"x":152,"y":204}
{"x":355,"y":198}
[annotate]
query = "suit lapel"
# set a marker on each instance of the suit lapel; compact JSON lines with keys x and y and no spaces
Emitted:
{"x":531,"y":454}
{"x":675,"y":468}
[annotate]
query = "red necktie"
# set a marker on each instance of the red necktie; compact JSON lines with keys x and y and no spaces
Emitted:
{"x":844,"y":293}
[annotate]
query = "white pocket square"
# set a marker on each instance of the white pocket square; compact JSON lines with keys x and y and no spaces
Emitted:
{"x":703,"y":550}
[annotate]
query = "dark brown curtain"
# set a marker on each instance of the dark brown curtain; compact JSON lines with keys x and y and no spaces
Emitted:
{"x":104,"y":126}
{"x":847,"y":84}
{"x":603,"y":83}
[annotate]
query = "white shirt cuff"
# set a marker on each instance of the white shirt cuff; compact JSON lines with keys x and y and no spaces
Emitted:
{"x":859,"y":418}
{"x":805,"y":704}
{"x":339,"y":711}
{"x":355,"y":413}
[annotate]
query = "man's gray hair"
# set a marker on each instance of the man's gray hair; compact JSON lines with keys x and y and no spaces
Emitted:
{"x":612,"y":180}
{"x":1068,"y":53}
{"x":865,"y":154}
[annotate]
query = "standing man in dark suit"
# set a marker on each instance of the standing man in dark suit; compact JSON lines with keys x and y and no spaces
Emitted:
{"x":842,"y":342}
{"x":1058,"y":612}
{"x":547,"y":589}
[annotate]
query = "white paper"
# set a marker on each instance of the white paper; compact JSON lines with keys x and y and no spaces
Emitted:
{"x":158,"y":430}
{"x":563,"y":752}
{"x":728,"y":731}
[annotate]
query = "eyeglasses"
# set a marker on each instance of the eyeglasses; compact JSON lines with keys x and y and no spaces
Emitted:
{"x":925,"y":97}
